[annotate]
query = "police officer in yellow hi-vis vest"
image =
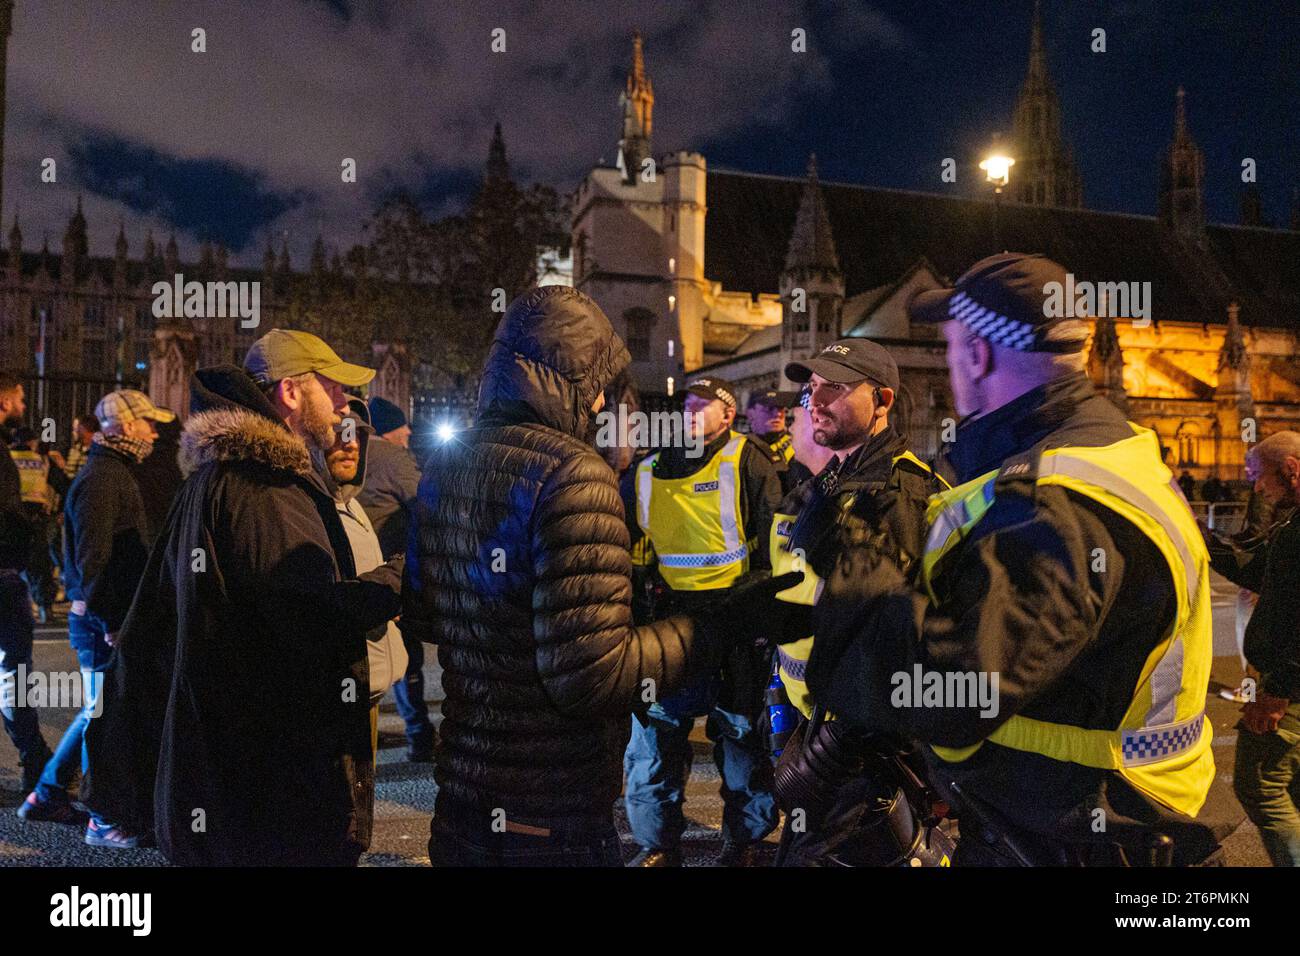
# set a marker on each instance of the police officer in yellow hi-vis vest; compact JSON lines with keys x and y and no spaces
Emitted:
{"x":871,"y":493}
{"x":766,"y":411}
{"x":1054,"y":653}
{"x":699,"y":513}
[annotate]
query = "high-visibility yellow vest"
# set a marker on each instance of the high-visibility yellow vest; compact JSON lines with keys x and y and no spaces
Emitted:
{"x":694,"y":524}
{"x":1162,"y":744}
{"x":792,"y":658}
{"x":784,"y":446}
{"x":33,"y":474}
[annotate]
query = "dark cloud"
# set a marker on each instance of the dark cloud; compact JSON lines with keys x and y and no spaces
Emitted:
{"x":209,"y":199}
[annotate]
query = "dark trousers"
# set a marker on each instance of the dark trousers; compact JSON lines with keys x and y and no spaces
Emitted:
{"x":408,"y":694}
{"x":464,"y":837}
{"x":40,"y":570}
{"x":1267,"y":782}
{"x":16,"y":651}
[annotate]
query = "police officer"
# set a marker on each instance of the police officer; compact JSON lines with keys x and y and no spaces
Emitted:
{"x":1055,"y":651}
{"x":767,"y":412}
{"x":699,"y":513}
{"x":41,"y":486}
{"x":872,"y":492}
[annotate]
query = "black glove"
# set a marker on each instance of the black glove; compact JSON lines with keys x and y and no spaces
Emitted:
{"x":742,"y":613}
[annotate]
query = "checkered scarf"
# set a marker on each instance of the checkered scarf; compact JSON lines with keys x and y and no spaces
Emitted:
{"x":133,"y":448}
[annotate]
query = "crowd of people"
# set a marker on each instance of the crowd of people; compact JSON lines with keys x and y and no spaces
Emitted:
{"x":242,"y":605}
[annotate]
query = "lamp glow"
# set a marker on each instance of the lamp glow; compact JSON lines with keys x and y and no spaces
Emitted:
{"x":998,"y":169}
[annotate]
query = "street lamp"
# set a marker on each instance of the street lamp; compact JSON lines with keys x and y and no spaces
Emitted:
{"x":997,"y":169}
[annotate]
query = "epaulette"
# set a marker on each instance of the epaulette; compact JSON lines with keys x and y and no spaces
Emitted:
{"x":1019,"y":473}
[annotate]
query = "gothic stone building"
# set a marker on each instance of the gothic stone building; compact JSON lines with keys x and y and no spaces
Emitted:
{"x":704,"y":270}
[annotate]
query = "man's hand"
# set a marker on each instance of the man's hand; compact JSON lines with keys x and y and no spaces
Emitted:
{"x":1262,"y":715}
{"x":57,"y":458}
{"x":111,"y":639}
{"x":744,"y":613}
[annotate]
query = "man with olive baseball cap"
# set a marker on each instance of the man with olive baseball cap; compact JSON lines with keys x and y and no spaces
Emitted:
{"x":284,"y":353}
{"x":264,"y":719}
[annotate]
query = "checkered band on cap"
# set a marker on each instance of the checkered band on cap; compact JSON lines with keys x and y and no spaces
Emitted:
{"x":990,"y":325}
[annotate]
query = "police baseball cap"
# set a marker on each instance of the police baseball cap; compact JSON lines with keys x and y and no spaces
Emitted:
{"x":1003,"y":299}
{"x":848,"y":362}
{"x":773,"y":398}
{"x":282,"y":353}
{"x":712,"y":388}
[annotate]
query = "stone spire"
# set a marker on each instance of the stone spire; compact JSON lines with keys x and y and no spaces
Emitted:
{"x":150,"y":252}
{"x":1182,"y":174}
{"x":1233,"y":356}
{"x":318,"y":265}
{"x":498,"y":168}
{"x":637,"y":102}
{"x":16,"y":249}
{"x":282,"y":263}
{"x":171,"y":258}
{"x":811,"y":242}
{"x":1106,"y":362}
{"x":76,"y":246}
{"x":119,"y":256}
{"x":1044,"y":174}
{"x":1233,"y":398}
{"x":811,"y":284}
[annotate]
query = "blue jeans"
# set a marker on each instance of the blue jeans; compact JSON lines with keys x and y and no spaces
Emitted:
{"x":16,"y":651}
{"x":1266,"y":779}
{"x":408,"y":694}
{"x":86,"y":635}
{"x":658,"y":761}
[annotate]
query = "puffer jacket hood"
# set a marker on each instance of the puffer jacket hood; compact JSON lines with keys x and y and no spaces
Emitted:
{"x":553,"y":354}
{"x":232,"y":420}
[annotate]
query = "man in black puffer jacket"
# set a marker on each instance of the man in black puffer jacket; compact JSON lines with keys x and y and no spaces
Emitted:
{"x":518,"y":568}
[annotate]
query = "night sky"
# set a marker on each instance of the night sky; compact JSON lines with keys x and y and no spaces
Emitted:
{"x":244,"y":141}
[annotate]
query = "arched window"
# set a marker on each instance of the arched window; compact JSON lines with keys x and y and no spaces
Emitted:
{"x":639,"y":323}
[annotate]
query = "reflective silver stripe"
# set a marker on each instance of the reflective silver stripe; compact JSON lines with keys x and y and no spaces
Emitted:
{"x":703,"y":560}
{"x":727,"y":481}
{"x":954,"y":518}
{"x":1161,"y":741}
{"x":1167,"y":677}
{"x":644,"y":482}
{"x":793,"y":666}
{"x":948,"y":520}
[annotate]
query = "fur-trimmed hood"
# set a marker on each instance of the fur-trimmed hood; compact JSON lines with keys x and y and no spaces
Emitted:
{"x":237,"y":435}
{"x":232,"y":421}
